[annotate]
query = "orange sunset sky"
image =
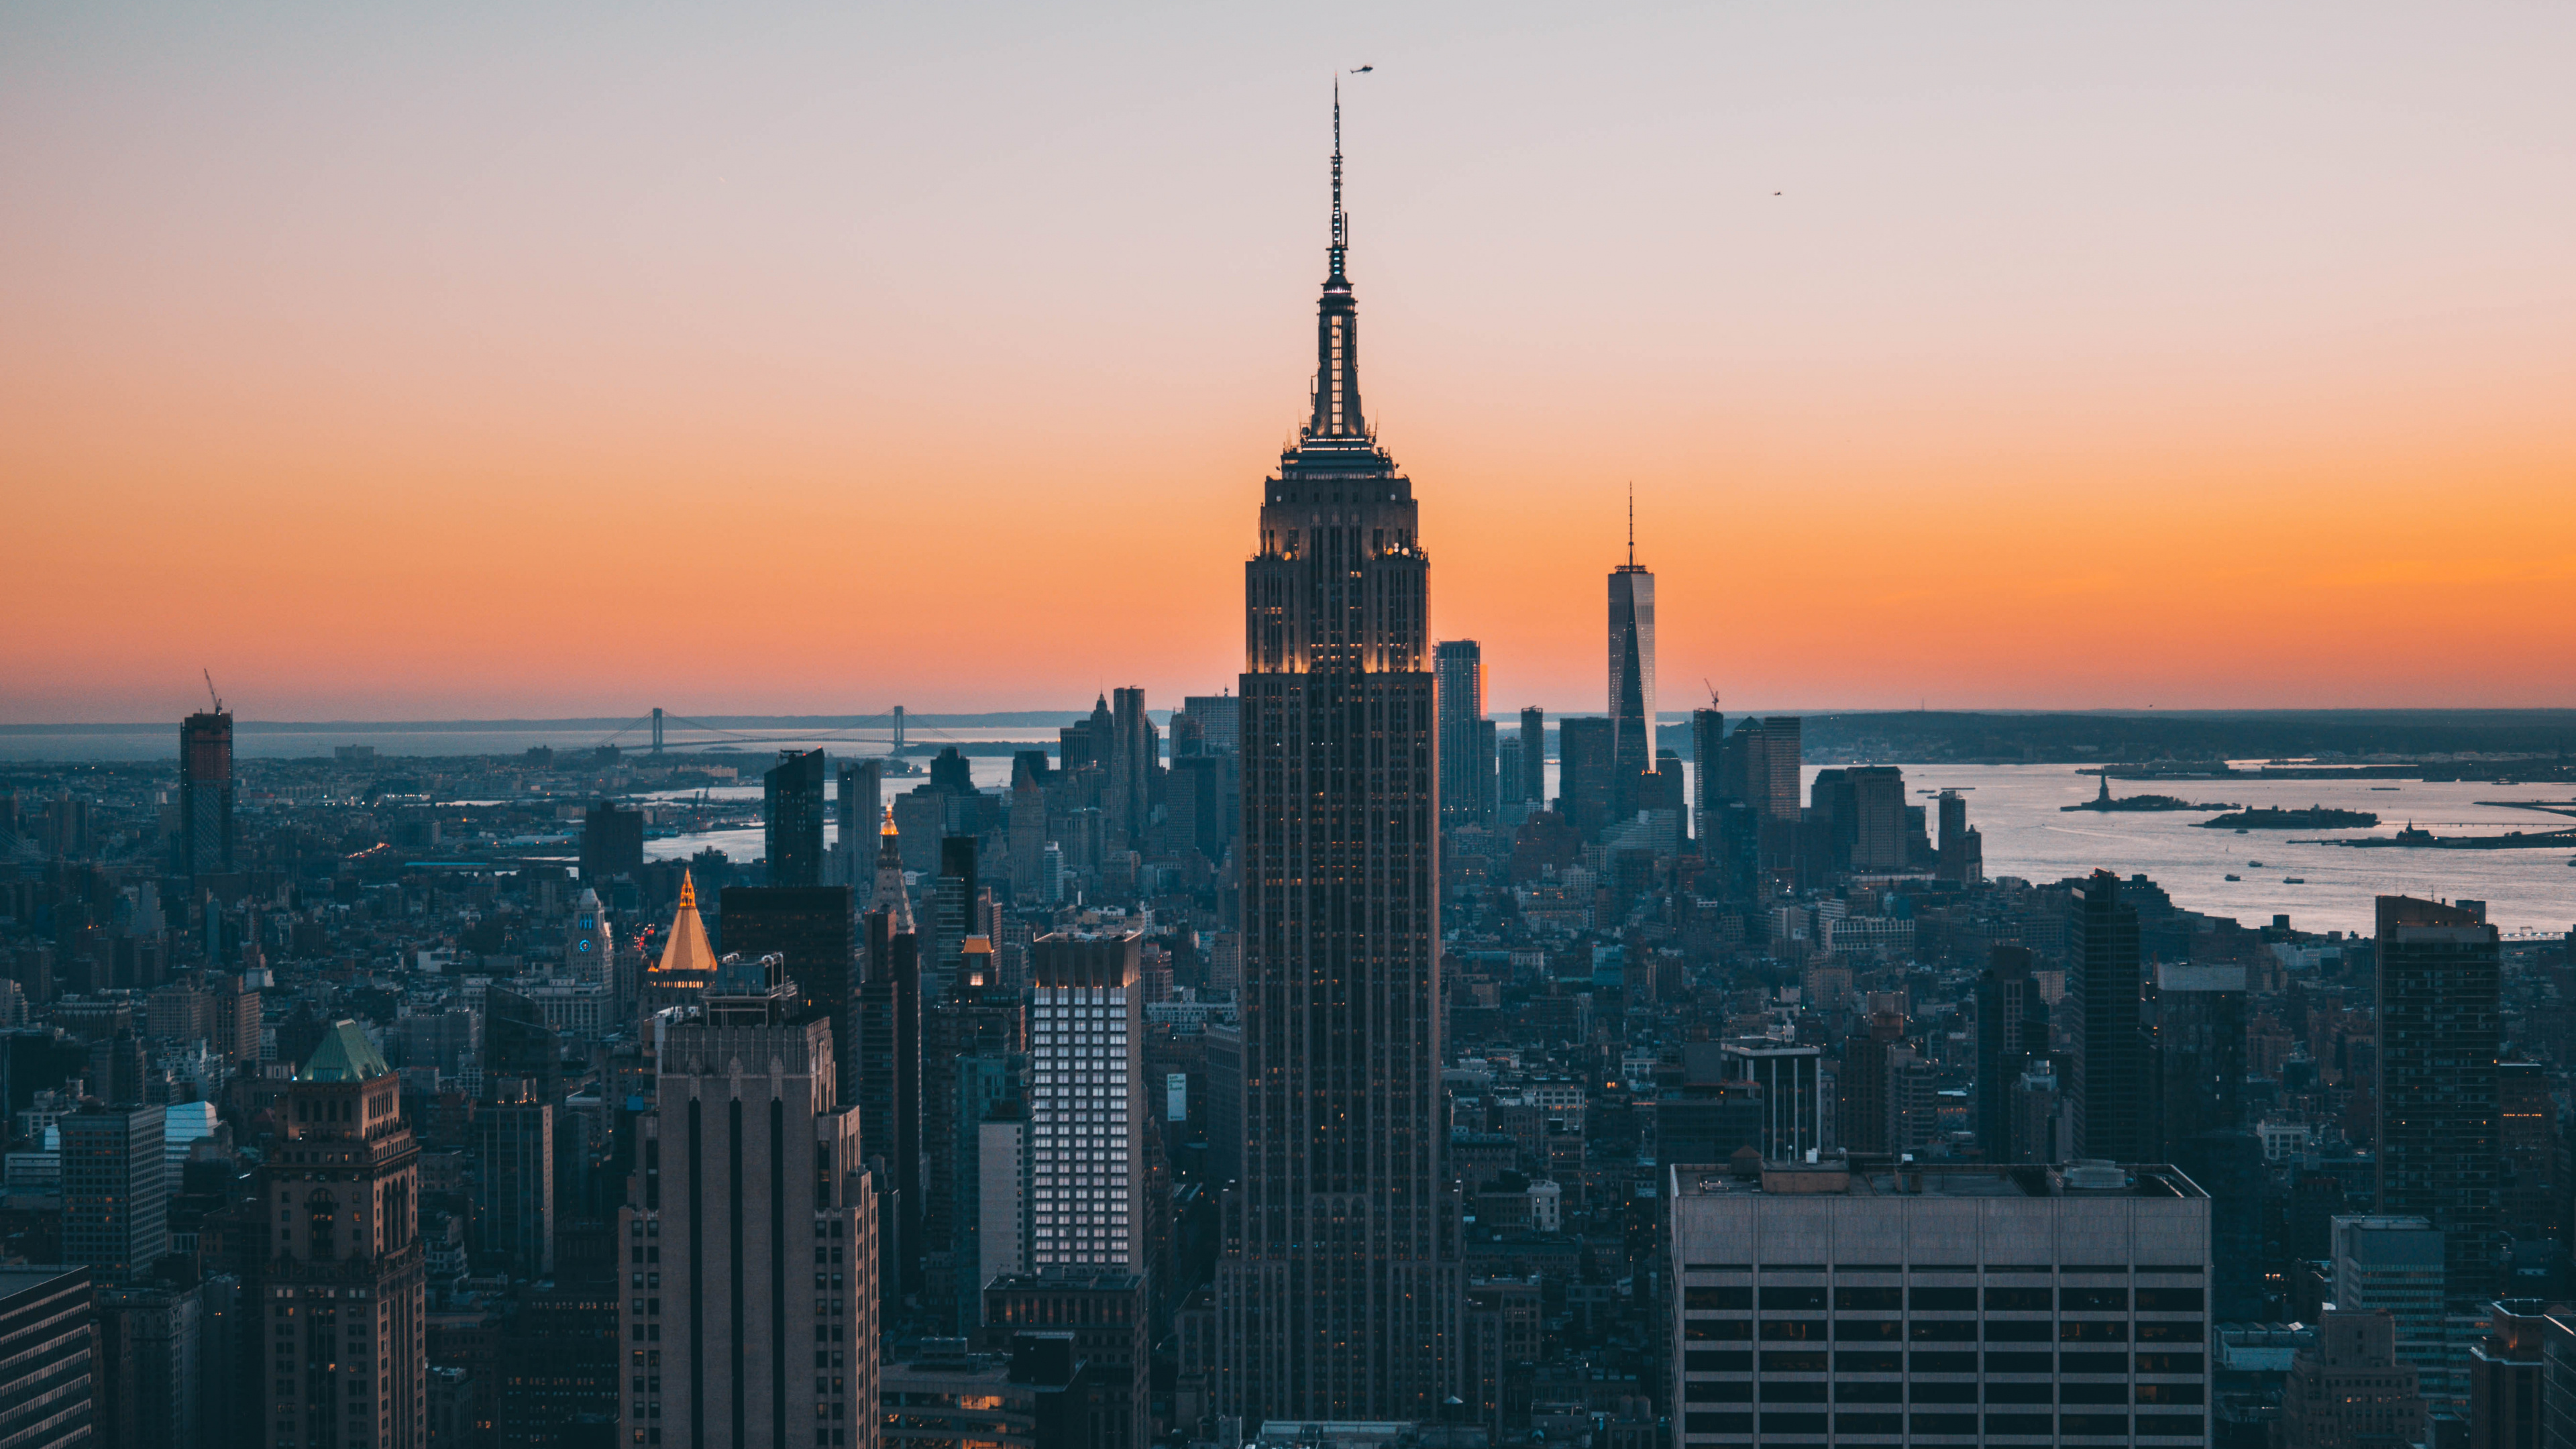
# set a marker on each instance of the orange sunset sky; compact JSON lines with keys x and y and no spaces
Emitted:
{"x":413,"y":362}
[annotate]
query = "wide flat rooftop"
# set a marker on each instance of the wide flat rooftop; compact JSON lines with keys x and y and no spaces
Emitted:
{"x":1880,"y":1177}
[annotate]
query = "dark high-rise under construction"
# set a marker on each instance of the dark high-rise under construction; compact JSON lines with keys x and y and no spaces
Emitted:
{"x":206,"y":794}
{"x":1338,"y":1299}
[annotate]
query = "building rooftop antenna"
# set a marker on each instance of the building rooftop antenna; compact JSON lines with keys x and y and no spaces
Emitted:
{"x":1632,"y":523}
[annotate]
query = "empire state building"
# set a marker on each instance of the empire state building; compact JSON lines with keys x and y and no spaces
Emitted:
{"x":1338,"y":1296}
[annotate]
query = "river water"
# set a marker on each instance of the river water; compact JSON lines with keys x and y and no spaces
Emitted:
{"x":2016,"y":809}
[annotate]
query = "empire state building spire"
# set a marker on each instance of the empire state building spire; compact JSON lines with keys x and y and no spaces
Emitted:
{"x":1340,"y":1294}
{"x":1337,"y":326}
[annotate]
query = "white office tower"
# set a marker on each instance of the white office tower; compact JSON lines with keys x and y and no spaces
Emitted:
{"x":1086,"y":1103}
{"x":1876,"y":1303}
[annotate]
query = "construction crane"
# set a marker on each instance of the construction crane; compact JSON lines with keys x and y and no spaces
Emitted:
{"x":1712,"y":691}
{"x":210,"y":688}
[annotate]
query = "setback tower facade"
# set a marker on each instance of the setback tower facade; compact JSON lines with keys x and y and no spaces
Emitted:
{"x":1338,"y":1296}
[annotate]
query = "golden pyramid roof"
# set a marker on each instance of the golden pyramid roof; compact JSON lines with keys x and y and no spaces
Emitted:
{"x":688,"y":948}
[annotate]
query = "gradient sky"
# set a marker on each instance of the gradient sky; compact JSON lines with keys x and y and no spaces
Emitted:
{"x":475,"y":359}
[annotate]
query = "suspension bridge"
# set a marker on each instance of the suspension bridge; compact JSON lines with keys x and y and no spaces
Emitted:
{"x":886,"y":733}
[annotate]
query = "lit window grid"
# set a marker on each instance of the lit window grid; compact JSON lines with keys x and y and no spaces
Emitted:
{"x":1081,"y":1166}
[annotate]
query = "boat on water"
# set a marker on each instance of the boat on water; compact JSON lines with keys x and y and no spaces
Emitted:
{"x":2258,"y":865}
{"x":2294,"y":880}
{"x":2239,"y":877}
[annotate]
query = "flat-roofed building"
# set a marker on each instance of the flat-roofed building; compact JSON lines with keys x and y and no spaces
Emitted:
{"x":1860,"y":1301}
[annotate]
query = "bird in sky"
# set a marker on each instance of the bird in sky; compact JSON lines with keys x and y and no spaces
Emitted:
{"x":1363,"y":70}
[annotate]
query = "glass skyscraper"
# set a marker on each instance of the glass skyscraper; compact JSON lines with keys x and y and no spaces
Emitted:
{"x":1466,"y":767}
{"x":791,"y":813}
{"x":1632,"y":675}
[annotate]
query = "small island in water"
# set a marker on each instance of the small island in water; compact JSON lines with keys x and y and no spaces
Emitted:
{"x":2106,"y":801}
{"x":2427,"y":840}
{"x":2271,"y":818}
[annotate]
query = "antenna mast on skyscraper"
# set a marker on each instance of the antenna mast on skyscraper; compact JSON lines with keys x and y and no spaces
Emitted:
{"x":1632,"y":523}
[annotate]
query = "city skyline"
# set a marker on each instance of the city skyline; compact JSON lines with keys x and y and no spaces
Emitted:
{"x":1353,"y":1074}
{"x":2051,"y":292}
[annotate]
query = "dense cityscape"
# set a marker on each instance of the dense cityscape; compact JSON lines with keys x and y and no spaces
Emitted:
{"x":1334,"y":1058}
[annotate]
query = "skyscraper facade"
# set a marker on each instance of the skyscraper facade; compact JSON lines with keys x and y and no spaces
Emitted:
{"x":115,"y":1193}
{"x":1087,"y":1112}
{"x":953,"y":894}
{"x":2107,"y":1081}
{"x":590,"y":946}
{"x":1339,"y":1295}
{"x":969,"y":1025}
{"x":514,"y":1196}
{"x":49,"y":1370}
{"x":809,"y":926}
{"x":2440,"y":1032}
{"x":2195,"y":1055}
{"x":1466,"y":766}
{"x":888,"y":1090}
{"x":1959,"y":857}
{"x":1877,"y":827}
{"x":1105,"y":1316}
{"x":1632,"y":672}
{"x":342,"y":1290}
{"x":759,"y":1184}
{"x":858,"y":799}
{"x":2350,"y":1387}
{"x":206,"y":794}
{"x":1533,"y":781}
{"x":1134,"y":755}
{"x":612,"y":843}
{"x":1587,"y":774}
{"x":2012,"y":1032}
{"x":1758,"y":764}
{"x":1843,"y":1302}
{"x":1708,"y":739}
{"x":1087,"y":742}
{"x":791,"y":817}
{"x":1219,"y":719}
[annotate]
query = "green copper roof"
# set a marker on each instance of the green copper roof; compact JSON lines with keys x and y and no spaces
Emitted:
{"x":345,"y":1055}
